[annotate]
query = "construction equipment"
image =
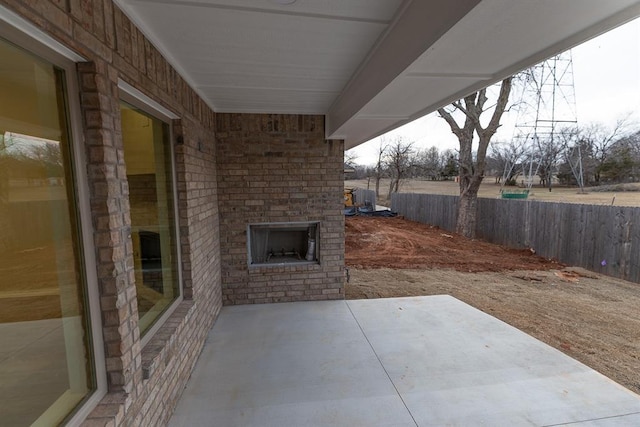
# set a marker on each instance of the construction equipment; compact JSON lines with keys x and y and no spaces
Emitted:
{"x":349,"y":197}
{"x":353,"y":206}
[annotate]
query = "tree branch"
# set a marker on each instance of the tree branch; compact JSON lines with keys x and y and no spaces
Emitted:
{"x":501,"y":105}
{"x":455,"y":128}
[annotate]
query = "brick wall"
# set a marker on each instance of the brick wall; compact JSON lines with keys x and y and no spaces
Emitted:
{"x":144,"y":383}
{"x":279,"y":168}
{"x":262,"y":168}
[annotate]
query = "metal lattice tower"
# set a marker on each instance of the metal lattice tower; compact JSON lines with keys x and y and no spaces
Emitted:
{"x":548,"y":105}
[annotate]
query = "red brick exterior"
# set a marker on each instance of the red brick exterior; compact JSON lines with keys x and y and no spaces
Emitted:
{"x":279,"y":168}
{"x":257,"y":168}
{"x":144,"y":383}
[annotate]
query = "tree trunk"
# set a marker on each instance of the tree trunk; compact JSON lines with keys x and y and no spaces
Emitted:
{"x":469,"y":185}
{"x":468,"y":206}
{"x":471,"y":171}
{"x":394,"y":185}
{"x":5,"y":225}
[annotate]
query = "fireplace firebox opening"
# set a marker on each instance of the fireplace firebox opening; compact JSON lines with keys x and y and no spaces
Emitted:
{"x":283,"y":243}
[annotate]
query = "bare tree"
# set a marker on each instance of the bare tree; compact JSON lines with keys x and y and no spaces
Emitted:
{"x":632,"y":141}
{"x":547,"y":154}
{"x":5,"y":169}
{"x":602,"y":138}
{"x":398,"y":162}
{"x":379,"y":167}
{"x":428,"y":163}
{"x":350,"y":159}
{"x":576,"y":154}
{"x":350,"y":167}
{"x":9,"y":150}
{"x":472,"y":170}
{"x":508,"y":157}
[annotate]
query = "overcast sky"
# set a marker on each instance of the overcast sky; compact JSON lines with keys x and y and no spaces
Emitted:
{"x":606,"y":74}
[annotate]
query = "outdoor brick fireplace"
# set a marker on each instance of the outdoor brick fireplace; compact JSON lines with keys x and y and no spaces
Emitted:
{"x":280,"y":192}
{"x":283,"y":243}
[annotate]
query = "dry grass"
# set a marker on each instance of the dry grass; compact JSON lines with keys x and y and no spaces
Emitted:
{"x":618,"y":195}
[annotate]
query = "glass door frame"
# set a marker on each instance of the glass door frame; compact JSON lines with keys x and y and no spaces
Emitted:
{"x":22,"y":33}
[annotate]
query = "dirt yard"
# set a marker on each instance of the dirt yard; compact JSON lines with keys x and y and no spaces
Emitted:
{"x":592,"y":318}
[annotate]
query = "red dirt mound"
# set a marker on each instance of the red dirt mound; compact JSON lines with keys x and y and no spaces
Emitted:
{"x":375,"y":242}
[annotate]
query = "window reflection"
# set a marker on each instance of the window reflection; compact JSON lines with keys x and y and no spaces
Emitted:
{"x":46,"y":368}
{"x":147,"y":157}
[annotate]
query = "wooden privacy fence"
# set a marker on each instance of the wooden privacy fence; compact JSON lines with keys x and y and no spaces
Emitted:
{"x":605,"y":239}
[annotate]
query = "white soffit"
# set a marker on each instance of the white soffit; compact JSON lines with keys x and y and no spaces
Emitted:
{"x":260,"y":56}
{"x":368,"y":65}
{"x":496,"y":39}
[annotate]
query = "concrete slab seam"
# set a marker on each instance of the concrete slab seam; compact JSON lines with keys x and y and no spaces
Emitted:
{"x":381,"y":364}
{"x":591,"y":419}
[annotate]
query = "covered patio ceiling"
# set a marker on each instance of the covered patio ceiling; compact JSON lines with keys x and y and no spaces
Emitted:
{"x":369,"y":66}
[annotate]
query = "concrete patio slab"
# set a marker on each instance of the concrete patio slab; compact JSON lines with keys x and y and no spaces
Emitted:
{"x":425,"y":361}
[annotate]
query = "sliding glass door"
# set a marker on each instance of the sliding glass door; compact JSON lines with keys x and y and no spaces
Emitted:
{"x":47,"y":368}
